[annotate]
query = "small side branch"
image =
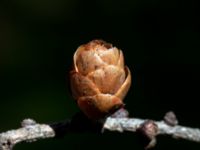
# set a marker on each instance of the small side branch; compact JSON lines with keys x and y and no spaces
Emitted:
{"x":32,"y":131}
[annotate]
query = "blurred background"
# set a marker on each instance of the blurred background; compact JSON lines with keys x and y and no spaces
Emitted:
{"x":160,"y":41}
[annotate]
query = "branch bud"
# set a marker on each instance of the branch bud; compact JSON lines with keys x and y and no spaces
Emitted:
{"x":99,"y":80}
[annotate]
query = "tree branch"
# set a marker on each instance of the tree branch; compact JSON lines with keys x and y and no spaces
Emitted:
{"x":127,"y":124}
{"x":29,"y":133}
{"x":32,"y":131}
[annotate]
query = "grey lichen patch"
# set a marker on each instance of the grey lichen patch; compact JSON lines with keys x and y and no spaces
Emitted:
{"x":28,"y":122}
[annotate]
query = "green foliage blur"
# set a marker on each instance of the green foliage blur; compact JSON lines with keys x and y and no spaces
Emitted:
{"x":160,"y":41}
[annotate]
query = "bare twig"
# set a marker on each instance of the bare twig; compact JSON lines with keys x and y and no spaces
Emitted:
{"x":127,"y":124}
{"x":32,"y":131}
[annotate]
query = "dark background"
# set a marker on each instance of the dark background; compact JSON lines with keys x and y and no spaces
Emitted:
{"x":160,"y":41}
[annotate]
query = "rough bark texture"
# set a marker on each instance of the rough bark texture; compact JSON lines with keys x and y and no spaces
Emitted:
{"x":32,"y":131}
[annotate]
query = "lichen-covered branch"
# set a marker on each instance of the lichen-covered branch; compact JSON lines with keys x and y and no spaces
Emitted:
{"x":177,"y":131}
{"x":32,"y":131}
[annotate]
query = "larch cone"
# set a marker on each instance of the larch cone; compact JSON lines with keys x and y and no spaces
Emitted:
{"x":99,"y":80}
